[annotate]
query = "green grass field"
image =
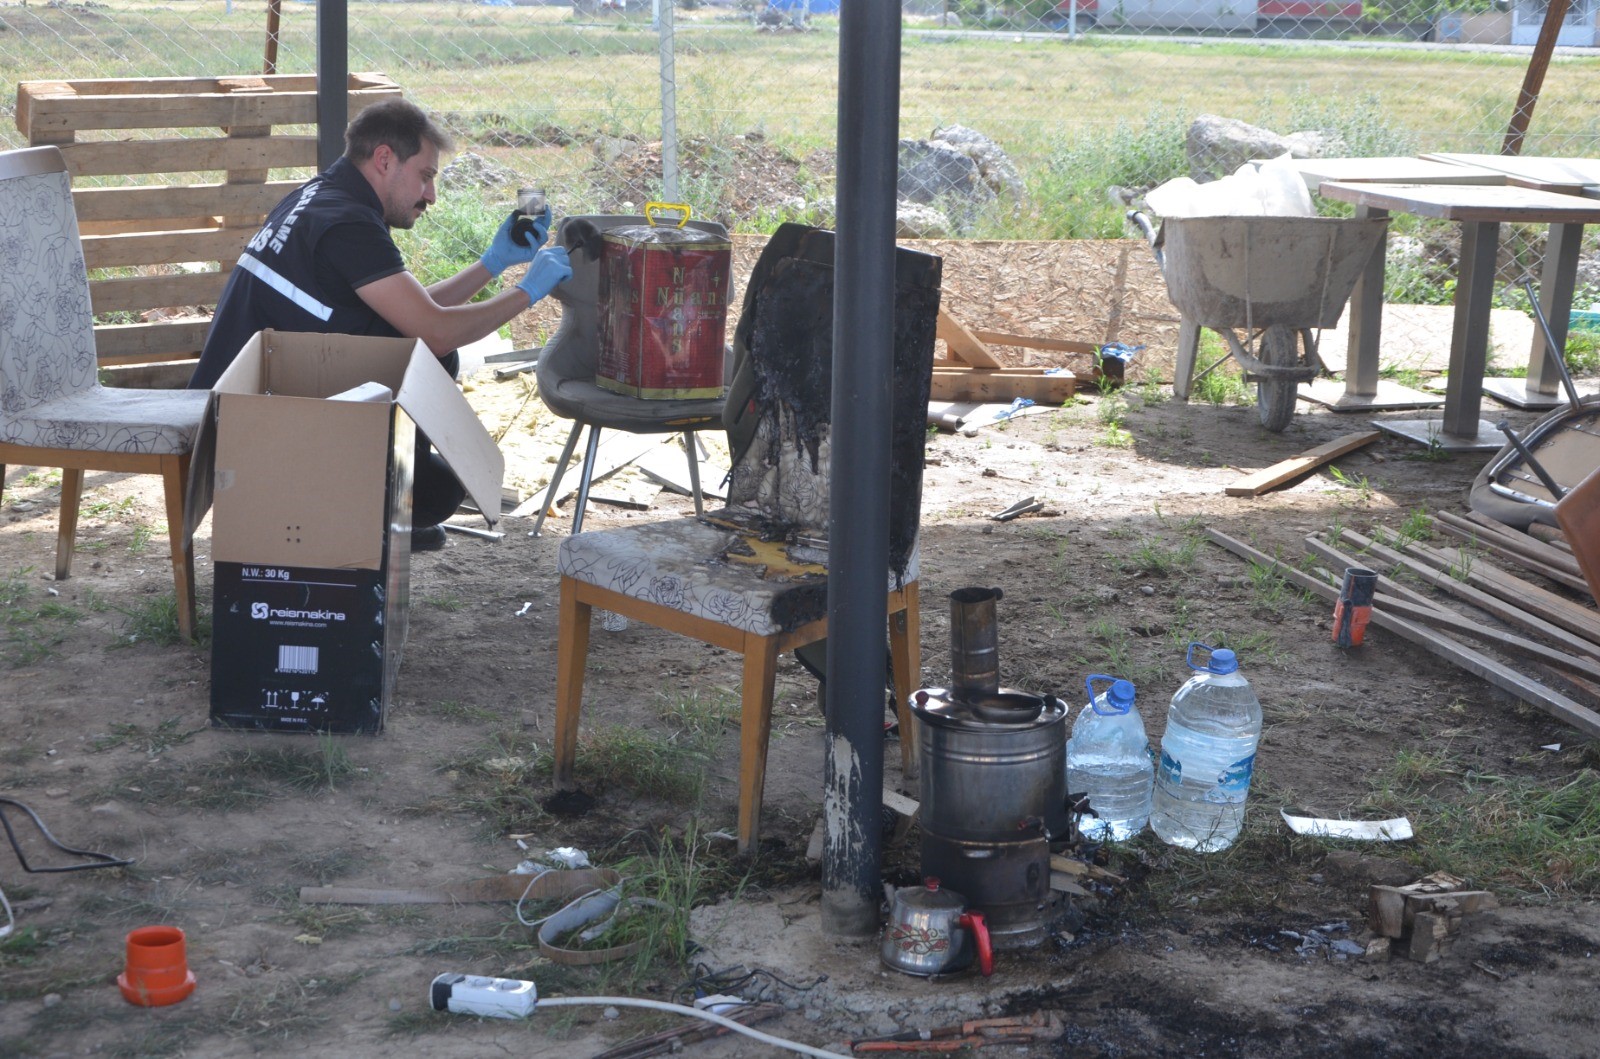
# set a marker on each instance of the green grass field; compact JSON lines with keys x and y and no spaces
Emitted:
{"x":534,"y":88}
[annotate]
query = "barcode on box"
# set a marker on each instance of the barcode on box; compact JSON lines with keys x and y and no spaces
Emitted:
{"x":297,"y":659}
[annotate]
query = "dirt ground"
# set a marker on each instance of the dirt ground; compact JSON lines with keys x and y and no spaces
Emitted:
{"x":107,"y":740}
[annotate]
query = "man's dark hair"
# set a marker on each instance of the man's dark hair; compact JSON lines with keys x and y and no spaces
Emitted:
{"x":397,"y":123}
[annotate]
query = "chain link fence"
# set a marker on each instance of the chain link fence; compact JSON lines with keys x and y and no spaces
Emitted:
{"x":1056,"y":102}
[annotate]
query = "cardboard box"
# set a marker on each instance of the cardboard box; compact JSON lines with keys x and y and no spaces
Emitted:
{"x":310,"y":532}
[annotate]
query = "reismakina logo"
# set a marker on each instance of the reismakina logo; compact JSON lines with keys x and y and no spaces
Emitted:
{"x":261,"y":612}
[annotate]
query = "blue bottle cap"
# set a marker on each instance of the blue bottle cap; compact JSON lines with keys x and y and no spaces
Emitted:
{"x":1223,"y":661}
{"x":1120,"y":697}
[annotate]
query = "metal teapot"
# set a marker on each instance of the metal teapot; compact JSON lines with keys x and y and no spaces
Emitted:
{"x":930,"y":932}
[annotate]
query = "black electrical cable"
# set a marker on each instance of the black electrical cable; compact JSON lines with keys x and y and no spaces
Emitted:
{"x":101,"y":860}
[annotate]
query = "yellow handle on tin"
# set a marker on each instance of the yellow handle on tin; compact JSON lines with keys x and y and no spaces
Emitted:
{"x":650,"y":209}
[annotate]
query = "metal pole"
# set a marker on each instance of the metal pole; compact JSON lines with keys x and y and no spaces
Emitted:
{"x":669,"y":104}
{"x":858,"y":498}
{"x":333,"y":79}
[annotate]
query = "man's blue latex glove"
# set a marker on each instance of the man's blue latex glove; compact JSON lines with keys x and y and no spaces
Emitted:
{"x":550,"y":267}
{"x":506,"y":251}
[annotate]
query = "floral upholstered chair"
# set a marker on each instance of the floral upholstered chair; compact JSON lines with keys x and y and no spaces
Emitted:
{"x":752,"y":578}
{"x":53,"y":410}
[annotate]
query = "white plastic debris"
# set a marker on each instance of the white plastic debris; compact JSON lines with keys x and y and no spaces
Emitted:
{"x":1273,"y":188}
{"x":567,"y":857}
{"x":1396,"y":830}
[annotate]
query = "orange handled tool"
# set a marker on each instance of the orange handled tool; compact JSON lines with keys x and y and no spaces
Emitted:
{"x":1354,"y":609}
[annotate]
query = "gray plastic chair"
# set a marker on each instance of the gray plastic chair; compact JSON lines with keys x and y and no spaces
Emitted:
{"x":567,"y":387}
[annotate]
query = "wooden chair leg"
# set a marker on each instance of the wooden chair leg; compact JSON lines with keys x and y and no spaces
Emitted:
{"x":175,"y":478}
{"x":67,"y":524}
{"x":755,"y":731}
{"x":572,"y":651}
{"x":905,"y":653}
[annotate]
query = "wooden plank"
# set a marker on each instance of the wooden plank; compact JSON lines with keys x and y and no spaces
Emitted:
{"x":133,"y":293}
{"x":1062,"y":345}
{"x":1386,"y":907}
{"x":1062,"y":883}
{"x":1484,"y":601}
{"x":1528,"y":690}
{"x":176,"y":224}
{"x":1529,"y":597}
{"x":1271,"y":477}
{"x":1342,"y":562}
{"x":145,"y":343}
{"x":1430,"y":936}
{"x":78,"y":113}
{"x":186,"y":155}
{"x":125,"y":86}
{"x":1499,"y":547}
{"x":164,"y":201}
{"x":963,"y":344}
{"x":1438,"y":616}
{"x":668,"y":465}
{"x":617,"y":449}
{"x":630,"y":491}
{"x":1551,"y":535}
{"x":165,"y":248}
{"x":171,"y":103}
{"x":1529,"y":545}
{"x":983,"y":385}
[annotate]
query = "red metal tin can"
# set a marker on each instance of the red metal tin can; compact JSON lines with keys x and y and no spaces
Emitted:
{"x":663,"y":309}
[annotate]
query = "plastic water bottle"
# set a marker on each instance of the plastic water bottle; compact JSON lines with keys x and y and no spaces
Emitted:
{"x":1207,"y":755}
{"x":1109,"y":759}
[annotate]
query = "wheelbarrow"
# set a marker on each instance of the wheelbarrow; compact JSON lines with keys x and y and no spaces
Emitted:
{"x":1276,"y":279}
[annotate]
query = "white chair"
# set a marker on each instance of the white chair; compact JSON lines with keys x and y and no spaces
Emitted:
{"x":53,"y":410}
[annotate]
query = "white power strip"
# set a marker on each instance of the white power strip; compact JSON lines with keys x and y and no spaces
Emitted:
{"x":497,"y":998}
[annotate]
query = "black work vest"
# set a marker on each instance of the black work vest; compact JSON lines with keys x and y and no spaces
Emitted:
{"x":275,"y":285}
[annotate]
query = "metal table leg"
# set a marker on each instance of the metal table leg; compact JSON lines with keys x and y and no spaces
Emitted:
{"x":1460,"y":430}
{"x":1363,"y":390}
{"x":1541,"y":389}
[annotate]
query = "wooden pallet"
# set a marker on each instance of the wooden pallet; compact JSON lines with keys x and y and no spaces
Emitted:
{"x":161,"y":127}
{"x":971,"y":372}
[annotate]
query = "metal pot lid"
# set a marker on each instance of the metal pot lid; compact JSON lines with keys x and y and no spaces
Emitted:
{"x":1006,"y":708}
{"x":930,"y":897}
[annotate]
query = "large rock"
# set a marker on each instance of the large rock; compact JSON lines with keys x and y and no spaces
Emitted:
{"x":994,"y":167}
{"x":468,"y":170}
{"x":931,"y":171}
{"x":1218,"y":146}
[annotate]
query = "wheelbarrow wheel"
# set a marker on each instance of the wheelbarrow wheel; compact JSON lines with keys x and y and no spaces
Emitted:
{"x":1275,"y":395}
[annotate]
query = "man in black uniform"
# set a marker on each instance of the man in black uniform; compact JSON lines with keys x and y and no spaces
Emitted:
{"x":325,"y":262}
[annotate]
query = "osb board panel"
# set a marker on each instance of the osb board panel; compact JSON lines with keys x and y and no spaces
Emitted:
{"x":1085,"y":290}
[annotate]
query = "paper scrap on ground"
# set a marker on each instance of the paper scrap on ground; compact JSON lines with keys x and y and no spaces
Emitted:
{"x":1396,"y":830}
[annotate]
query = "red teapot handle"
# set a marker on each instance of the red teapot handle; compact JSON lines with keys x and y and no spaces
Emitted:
{"x":974,"y":922}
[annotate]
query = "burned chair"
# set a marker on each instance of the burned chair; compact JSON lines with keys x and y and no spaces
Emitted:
{"x":752,"y":578}
{"x":53,"y":410}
